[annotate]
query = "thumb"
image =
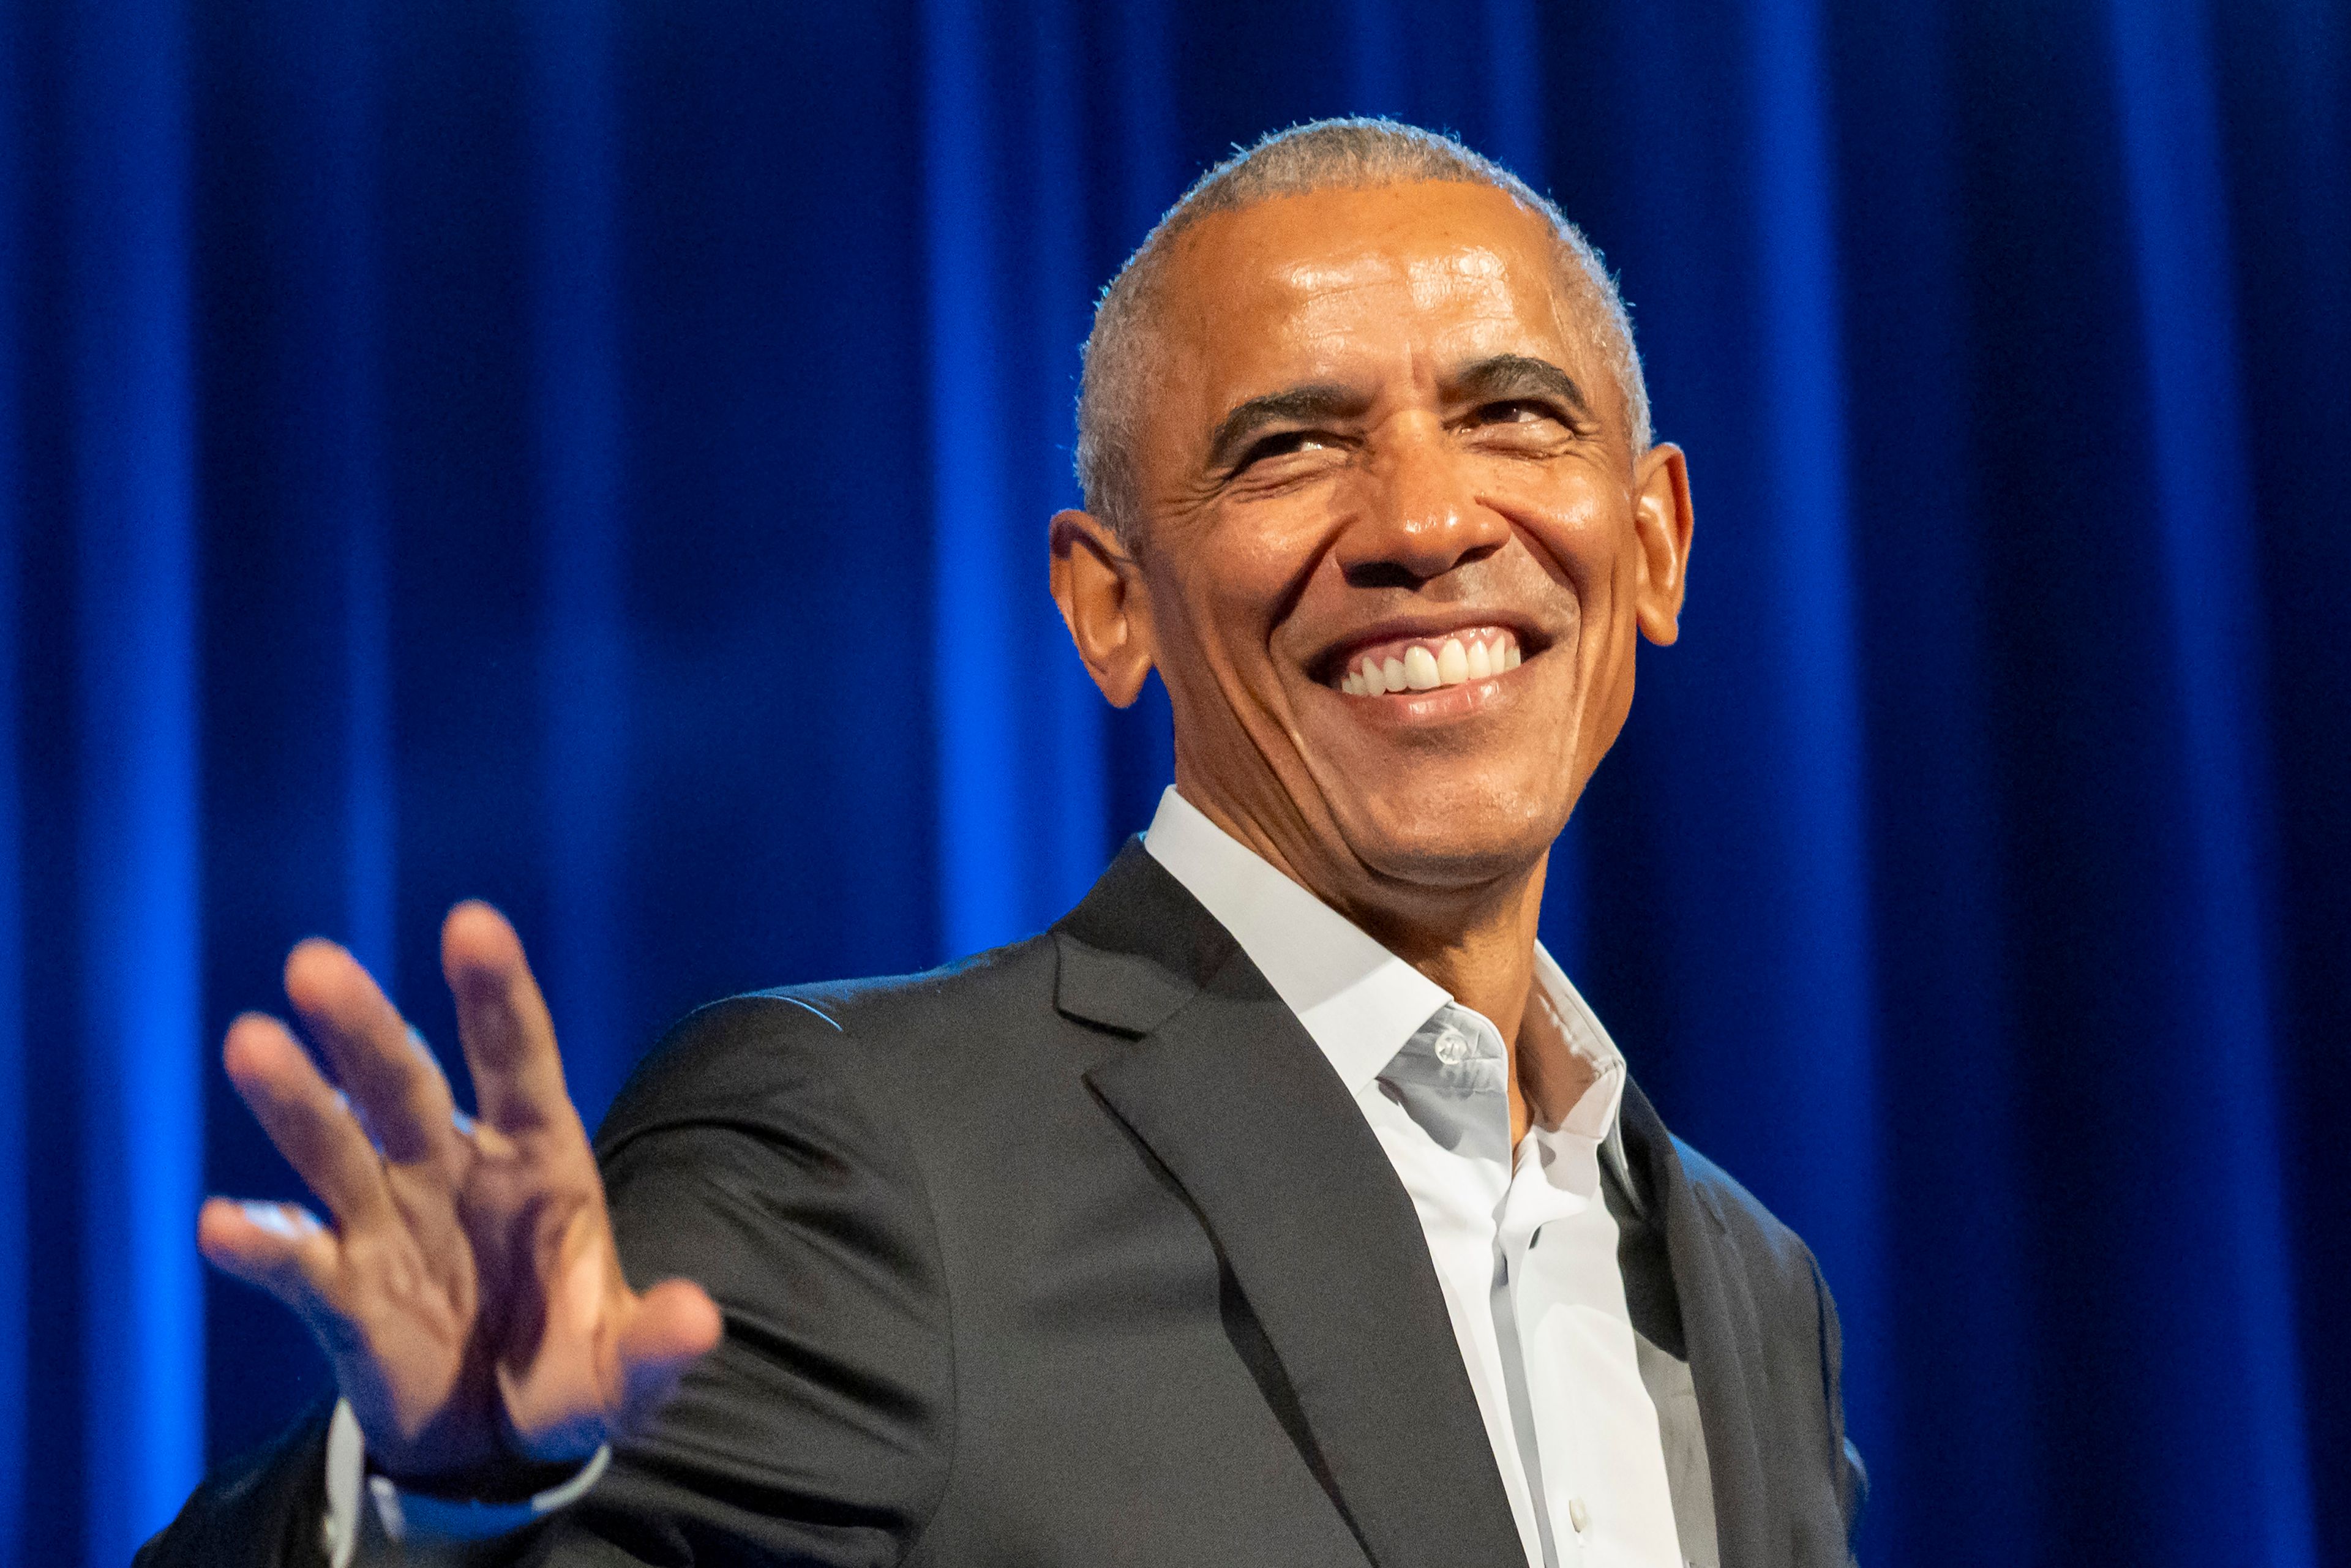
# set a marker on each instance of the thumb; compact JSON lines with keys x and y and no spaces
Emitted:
{"x":675,"y":1324}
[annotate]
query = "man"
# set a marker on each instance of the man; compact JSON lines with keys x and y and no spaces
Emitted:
{"x":1284,"y":1204}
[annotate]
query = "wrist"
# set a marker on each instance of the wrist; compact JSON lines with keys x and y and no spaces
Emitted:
{"x":495,"y":1481}
{"x":448,"y":1507}
{"x":410,"y":1515}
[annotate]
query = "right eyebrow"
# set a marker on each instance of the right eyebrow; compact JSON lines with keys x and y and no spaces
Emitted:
{"x":1504,"y":376}
{"x":1318,"y":400}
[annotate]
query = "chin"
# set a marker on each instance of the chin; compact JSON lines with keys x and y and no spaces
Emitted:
{"x":1451,"y":838}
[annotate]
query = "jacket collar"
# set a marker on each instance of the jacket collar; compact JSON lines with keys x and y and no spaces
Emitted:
{"x":1359,"y":1001}
{"x":1231,"y":1096}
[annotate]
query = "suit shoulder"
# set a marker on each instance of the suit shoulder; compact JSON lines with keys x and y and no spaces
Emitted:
{"x":1804,"y":1343}
{"x":1761,"y":1236}
{"x":727,"y":1059}
{"x":901,"y":1010}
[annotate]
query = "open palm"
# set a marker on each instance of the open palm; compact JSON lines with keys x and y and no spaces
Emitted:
{"x":467,"y":1292}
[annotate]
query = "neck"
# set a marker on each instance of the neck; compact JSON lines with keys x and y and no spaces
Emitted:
{"x":1485,"y":955}
{"x":1476,"y":941}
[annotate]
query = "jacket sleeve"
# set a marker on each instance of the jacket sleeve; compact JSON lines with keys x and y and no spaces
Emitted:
{"x":750,"y":1156}
{"x":267,"y":1507}
{"x":1852,"y":1476}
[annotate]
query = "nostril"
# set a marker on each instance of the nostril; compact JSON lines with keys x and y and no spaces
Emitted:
{"x":1389,"y":572}
{"x":1382,"y":574}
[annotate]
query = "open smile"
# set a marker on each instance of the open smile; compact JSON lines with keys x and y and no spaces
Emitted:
{"x":1428,"y":663}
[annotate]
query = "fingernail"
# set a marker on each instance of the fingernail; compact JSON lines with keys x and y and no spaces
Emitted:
{"x":280,"y":1219}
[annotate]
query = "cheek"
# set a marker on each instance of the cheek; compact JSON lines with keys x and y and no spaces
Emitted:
{"x":1225,"y":605}
{"x":1581,"y":531}
{"x":1251,"y":571}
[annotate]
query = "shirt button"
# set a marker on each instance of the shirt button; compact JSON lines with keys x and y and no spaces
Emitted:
{"x":1452,"y":1049}
{"x":1578,"y":1515}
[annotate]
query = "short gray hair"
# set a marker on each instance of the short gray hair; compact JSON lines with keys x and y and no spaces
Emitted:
{"x":1327,"y":154}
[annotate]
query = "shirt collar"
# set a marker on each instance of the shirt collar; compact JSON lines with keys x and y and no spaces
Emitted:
{"x":1360,"y":1002}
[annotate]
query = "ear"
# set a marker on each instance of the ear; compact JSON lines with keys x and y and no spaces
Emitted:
{"x":1661,"y":523}
{"x":1104,"y":603}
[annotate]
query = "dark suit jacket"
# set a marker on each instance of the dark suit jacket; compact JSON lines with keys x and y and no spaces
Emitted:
{"x":1079,"y":1253}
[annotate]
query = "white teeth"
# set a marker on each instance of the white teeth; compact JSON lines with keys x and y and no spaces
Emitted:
{"x":1418,"y":667}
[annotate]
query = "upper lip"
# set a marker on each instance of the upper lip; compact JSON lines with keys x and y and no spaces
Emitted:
{"x":1431,"y":626}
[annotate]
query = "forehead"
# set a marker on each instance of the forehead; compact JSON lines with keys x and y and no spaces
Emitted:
{"x":1298,"y":286}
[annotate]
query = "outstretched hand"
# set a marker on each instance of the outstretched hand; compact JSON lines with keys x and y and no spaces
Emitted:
{"x":467,"y":1290}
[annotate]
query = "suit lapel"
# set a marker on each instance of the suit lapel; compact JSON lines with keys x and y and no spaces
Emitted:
{"x":1718,"y":1318}
{"x":1231,"y":1096}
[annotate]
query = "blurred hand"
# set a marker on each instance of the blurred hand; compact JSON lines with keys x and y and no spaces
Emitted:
{"x":467,"y":1292}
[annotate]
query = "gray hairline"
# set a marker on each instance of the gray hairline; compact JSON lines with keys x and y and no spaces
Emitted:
{"x":1387,"y":152}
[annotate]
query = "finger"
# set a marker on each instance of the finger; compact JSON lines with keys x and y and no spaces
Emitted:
{"x":675,"y":1324}
{"x":279,"y":1246}
{"x":509,"y":1040}
{"x":304,"y":1116}
{"x":395,"y":1085}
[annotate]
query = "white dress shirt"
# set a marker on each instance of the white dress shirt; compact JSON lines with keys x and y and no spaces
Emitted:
{"x":1523,"y":1241}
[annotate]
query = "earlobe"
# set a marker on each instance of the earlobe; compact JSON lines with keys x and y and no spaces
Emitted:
{"x":1662,"y":523}
{"x":1104,"y":603}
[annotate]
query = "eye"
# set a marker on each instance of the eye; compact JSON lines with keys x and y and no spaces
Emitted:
{"x":1520,"y":411}
{"x":1282,"y":444}
{"x":1522,"y":427}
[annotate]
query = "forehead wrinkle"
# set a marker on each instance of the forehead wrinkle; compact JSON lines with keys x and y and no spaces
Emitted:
{"x":1469,"y":269}
{"x":1320,"y":277}
{"x":1450,"y":313}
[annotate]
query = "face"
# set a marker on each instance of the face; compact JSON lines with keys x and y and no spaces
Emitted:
{"x":1397,"y":550}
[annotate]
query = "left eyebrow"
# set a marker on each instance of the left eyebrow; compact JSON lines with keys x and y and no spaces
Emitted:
{"x":1501,"y":377}
{"x":1316,"y":401}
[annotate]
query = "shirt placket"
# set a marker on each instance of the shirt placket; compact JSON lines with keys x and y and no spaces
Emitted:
{"x":1603,"y":1501}
{"x":1470,"y":1051}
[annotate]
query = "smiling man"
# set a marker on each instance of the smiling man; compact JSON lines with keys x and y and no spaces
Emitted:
{"x":1284,"y":1204}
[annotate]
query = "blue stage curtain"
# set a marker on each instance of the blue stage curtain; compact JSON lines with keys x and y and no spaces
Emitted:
{"x":596,"y":456}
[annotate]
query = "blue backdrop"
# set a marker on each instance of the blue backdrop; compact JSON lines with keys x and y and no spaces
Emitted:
{"x":595,"y":455}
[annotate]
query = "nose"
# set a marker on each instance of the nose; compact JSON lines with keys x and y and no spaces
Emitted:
{"x":1419,"y":516}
